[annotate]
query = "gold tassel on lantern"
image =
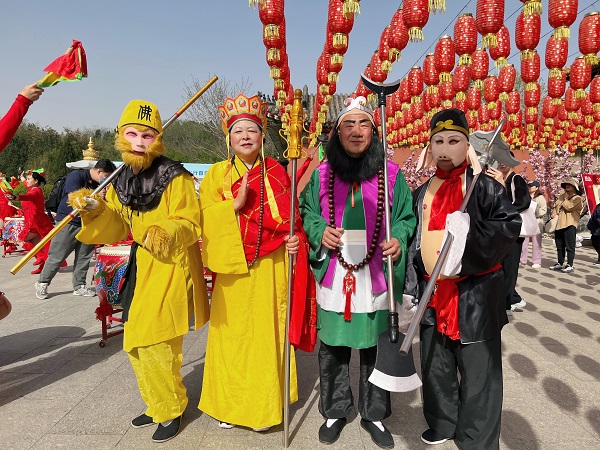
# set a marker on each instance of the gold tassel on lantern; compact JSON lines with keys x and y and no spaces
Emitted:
{"x":275,"y":72}
{"x":386,"y":66}
{"x":562,"y":32}
{"x":351,"y":7}
{"x":465,"y":60}
{"x":489,"y":41}
{"x":501,"y":62}
{"x":527,"y":55}
{"x":271,"y":30}
{"x":532,"y":7}
{"x":324,"y":88}
{"x":332,"y":77}
{"x":579,"y":93}
{"x":340,"y":39}
{"x":415,"y":34}
{"x":253,"y":3}
{"x":437,"y":6}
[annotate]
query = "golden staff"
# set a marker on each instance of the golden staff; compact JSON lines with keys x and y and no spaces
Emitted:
{"x":294,"y":151}
{"x":103,"y":185}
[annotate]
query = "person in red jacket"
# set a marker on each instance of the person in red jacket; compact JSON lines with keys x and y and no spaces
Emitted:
{"x":9,"y":124}
{"x":37,"y":222}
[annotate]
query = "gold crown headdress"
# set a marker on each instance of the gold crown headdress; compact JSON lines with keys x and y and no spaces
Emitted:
{"x":240,"y":108}
{"x":253,"y":109}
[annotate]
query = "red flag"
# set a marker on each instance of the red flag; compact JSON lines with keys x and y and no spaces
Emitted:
{"x":72,"y":66}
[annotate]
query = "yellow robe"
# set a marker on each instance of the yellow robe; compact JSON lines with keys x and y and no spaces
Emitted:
{"x":169,"y":291}
{"x":244,"y":370}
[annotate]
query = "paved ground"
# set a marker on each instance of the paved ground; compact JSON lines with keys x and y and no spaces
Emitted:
{"x":58,"y":389}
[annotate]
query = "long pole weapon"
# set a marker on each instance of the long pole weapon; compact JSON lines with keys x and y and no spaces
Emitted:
{"x":382,"y":91}
{"x":103,"y":185}
{"x":293,"y":152}
{"x":435,"y":273}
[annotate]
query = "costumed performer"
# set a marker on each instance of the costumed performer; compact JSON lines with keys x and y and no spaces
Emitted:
{"x":37,"y":224}
{"x":460,"y":331}
{"x":155,"y":199}
{"x":518,"y":193}
{"x":9,"y":124}
{"x":7,"y":208}
{"x":342,"y":210}
{"x":245,"y":203}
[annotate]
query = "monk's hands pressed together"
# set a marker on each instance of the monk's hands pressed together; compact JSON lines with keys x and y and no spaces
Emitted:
{"x":332,"y":237}
{"x":240,"y":199}
{"x":391,"y":248}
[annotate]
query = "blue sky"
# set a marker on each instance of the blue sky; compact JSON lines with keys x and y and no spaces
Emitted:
{"x":151,"y":49}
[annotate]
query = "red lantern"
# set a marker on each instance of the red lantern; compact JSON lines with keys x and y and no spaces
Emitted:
{"x":271,"y":12}
{"x":495,"y":112}
{"x":491,"y":90}
{"x":473,"y":99}
{"x":483,"y":116}
{"x":461,"y":80}
{"x":532,"y":95}
{"x":561,"y":15}
{"x":557,"y":50}
{"x":489,"y":17}
{"x":337,"y":22}
{"x":386,"y":57}
{"x":444,"y":57}
{"x":447,"y":93}
{"x":415,"y":83}
{"x":398,"y":37}
{"x":557,"y":84}
{"x":527,"y":33}
{"x":404,"y":92}
{"x":530,"y":69}
{"x":501,"y":51}
{"x":465,"y":38}
{"x":431,"y":76}
{"x":376,"y":72}
{"x":507,"y":78}
{"x":589,"y":37}
{"x":581,"y":76}
{"x":479,"y":67}
{"x":513,"y":104}
{"x":572,"y":103}
{"x":461,"y":104}
{"x":595,"y":93}
{"x":415,"y":14}
{"x":548,"y":109}
{"x":335,"y":44}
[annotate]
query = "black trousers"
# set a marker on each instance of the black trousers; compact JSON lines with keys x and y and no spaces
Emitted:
{"x":511,"y":272}
{"x":470,"y":408}
{"x":336,"y":399}
{"x":596,"y":244}
{"x":565,"y":243}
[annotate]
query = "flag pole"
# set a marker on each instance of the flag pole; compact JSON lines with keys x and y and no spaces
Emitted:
{"x":75,"y":212}
{"x":293,"y":152}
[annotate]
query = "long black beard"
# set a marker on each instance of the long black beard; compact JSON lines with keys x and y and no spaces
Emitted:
{"x":352,"y":169}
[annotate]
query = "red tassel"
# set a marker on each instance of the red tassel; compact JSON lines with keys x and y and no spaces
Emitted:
{"x":348,"y":288}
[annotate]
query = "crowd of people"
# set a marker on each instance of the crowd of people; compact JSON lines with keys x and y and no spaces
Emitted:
{"x":242,"y":214}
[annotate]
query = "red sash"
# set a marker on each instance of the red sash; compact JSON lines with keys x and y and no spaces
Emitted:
{"x":303,"y":319}
{"x":445,"y":302}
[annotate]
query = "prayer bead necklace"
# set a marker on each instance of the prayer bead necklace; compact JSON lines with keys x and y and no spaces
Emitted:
{"x":261,"y":213}
{"x":379,"y":221}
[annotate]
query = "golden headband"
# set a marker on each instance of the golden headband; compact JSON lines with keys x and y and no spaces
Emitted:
{"x":448,"y":125}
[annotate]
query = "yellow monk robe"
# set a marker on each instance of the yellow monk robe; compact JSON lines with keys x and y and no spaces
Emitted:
{"x":244,"y":370}
{"x":167,"y":291}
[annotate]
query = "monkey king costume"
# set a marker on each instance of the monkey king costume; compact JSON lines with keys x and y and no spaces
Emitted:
{"x":460,"y":330}
{"x":244,"y":371}
{"x":346,"y":192}
{"x":164,"y":285}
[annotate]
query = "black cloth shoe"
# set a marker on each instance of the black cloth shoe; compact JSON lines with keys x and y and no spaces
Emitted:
{"x":142,"y":421}
{"x":163,"y":433}
{"x":330,"y":435}
{"x":383,"y":438}
{"x":432,"y":437}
